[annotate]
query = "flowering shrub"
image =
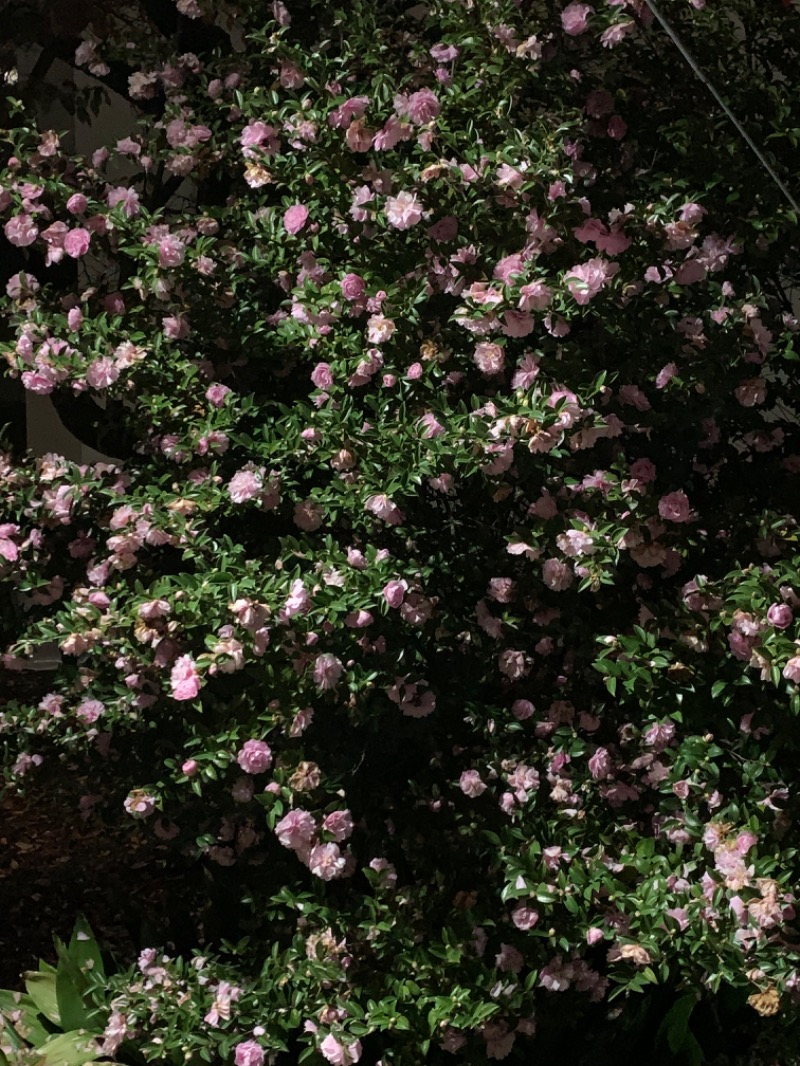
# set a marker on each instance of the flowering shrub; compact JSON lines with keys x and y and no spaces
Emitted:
{"x":445,"y":600}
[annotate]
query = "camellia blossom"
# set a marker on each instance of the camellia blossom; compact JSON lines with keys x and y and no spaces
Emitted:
{"x":575,"y":18}
{"x":248,"y":1053}
{"x":675,"y":507}
{"x":294,"y":218}
{"x":326,"y":861}
{"x":403,"y":211}
{"x":585,"y":280}
{"x":382,"y":507}
{"x":339,"y":1053}
{"x":327,"y":671}
{"x":185,"y":679}
{"x":255,"y":757}
{"x":296,"y":830}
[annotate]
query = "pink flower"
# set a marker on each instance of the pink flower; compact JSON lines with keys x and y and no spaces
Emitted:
{"x":557,"y":575}
{"x":675,"y":507}
{"x":339,"y":824}
{"x":509,"y":960}
{"x":514,"y":664}
{"x":248,"y":1053}
{"x":643,"y":470}
{"x":353,"y":287}
{"x":585,"y":280}
{"x":489,"y":358}
{"x":327,"y":671}
{"x":8,"y":549}
{"x":339,"y":1054}
{"x":102,"y":372}
{"x":308,"y":515}
{"x":76,"y":242}
{"x":89,"y":711}
{"x":421,"y":107}
{"x":321,"y":376}
{"x":471,"y":784}
{"x":403,"y":211}
{"x":792,"y":669}
{"x":326,"y":861}
{"x":171,"y":251}
{"x":21,"y":230}
{"x":77,"y":204}
{"x":296,"y":830}
{"x":382,"y":507}
{"x":139,"y":804}
{"x":575,"y":18}
{"x":245,"y":485}
{"x":216,"y":394}
{"x":294,"y":218}
{"x":780,"y":615}
{"x":255,"y":757}
{"x":184,"y":679}
{"x":379,"y":329}
{"x":394,"y":592}
{"x":524,"y":917}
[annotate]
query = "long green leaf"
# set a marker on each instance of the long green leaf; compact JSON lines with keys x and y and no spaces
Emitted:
{"x":42,"y":990}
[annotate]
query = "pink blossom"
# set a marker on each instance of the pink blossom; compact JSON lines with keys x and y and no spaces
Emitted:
{"x":308,"y":515}
{"x":522,"y":709}
{"x":184,"y":679}
{"x":339,"y":824}
{"x":216,"y":394}
{"x":489,"y":357}
{"x":102,"y":372}
{"x":77,"y":204}
{"x":394,"y":592}
{"x":585,"y":280}
{"x":514,"y":664}
{"x":353,"y":287}
{"x":792,"y":669}
{"x":21,"y":230}
{"x":675,"y":507}
{"x":171,"y":251}
{"x":338,"y":1053}
{"x":780,"y":615}
{"x":294,"y":218}
{"x":403,"y":211}
{"x":327,"y":671}
{"x":575,"y":18}
{"x":535,"y":296}
{"x":248,"y":1053}
{"x":421,"y":107}
{"x":139,"y":804}
{"x":76,"y":242}
{"x":296,"y":830}
{"x":255,"y":757}
{"x":245,"y":485}
{"x":326,"y":861}
{"x":471,"y":784}
{"x":8,"y":549}
{"x":321,"y":376}
{"x":379,"y":329}
{"x":382,"y":507}
{"x":524,"y":917}
{"x":508,"y":959}
{"x":557,"y":575}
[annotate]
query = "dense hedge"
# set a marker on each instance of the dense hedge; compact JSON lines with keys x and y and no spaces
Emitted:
{"x":442,"y":594}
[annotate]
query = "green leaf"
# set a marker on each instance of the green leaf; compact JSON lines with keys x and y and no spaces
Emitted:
{"x":29,"y":1027}
{"x":42,"y":990}
{"x":70,"y":1049}
{"x":675,"y":1026}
